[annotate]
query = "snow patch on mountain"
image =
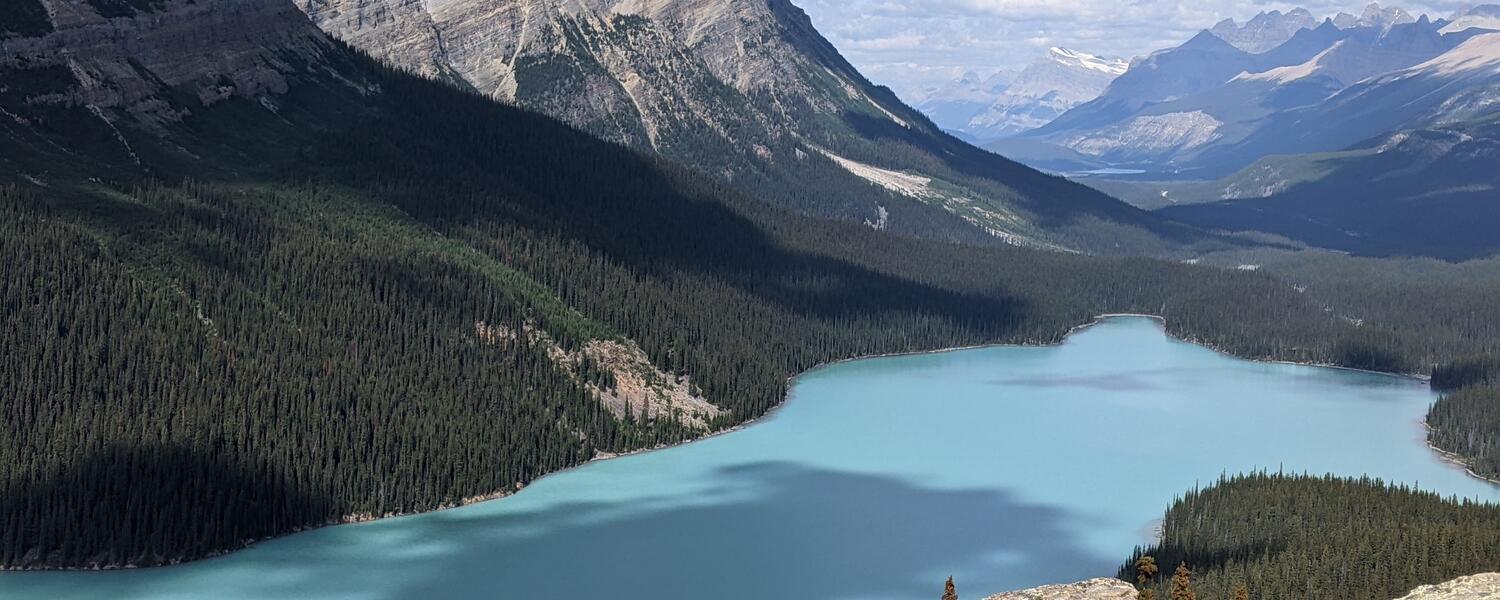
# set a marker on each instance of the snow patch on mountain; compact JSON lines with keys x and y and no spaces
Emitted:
{"x":1112,"y":66}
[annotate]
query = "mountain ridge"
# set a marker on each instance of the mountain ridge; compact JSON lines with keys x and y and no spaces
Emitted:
{"x":751,"y":93}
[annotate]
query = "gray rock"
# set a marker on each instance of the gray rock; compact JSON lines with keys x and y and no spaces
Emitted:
{"x":129,"y":62}
{"x":1093,"y":589}
{"x":1485,"y":586}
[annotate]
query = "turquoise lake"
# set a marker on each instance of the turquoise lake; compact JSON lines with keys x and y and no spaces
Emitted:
{"x":1005,"y":467}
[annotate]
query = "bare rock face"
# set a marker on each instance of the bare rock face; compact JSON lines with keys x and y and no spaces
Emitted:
{"x":399,"y":32}
{"x":1475,"y":587}
{"x":660,"y":74}
{"x":1093,"y":589}
{"x":131,"y":61}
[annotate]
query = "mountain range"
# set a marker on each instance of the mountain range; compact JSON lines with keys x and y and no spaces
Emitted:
{"x":1006,"y":103}
{"x":1426,"y":187}
{"x":1208,"y":108}
{"x":748,"y":92}
{"x":1366,"y":134}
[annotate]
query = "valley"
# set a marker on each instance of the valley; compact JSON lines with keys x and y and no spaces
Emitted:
{"x":350,"y":298}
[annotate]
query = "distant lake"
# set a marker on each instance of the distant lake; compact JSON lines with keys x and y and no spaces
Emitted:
{"x":1005,"y":467}
{"x":1113,"y":171}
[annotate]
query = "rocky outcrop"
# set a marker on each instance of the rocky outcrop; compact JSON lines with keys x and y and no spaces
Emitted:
{"x":1475,"y":587}
{"x":132,"y":62}
{"x":1093,"y":589}
{"x":642,"y":392}
{"x":399,"y":32}
{"x":636,"y":389}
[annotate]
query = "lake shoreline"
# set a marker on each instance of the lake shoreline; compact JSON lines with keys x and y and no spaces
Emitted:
{"x":502,"y":494}
{"x":1453,"y":457}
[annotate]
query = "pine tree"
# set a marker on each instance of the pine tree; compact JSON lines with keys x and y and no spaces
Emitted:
{"x":949,"y":592}
{"x":1241,"y":592}
{"x":1182,"y":584}
{"x":1145,"y":573}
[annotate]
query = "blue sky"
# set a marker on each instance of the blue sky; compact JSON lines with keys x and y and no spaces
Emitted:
{"x":911,"y":45}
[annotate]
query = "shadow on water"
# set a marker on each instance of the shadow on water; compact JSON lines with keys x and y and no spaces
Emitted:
{"x":760,"y":530}
{"x":776,"y":541}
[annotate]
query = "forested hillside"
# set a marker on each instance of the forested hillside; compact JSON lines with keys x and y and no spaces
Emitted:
{"x":296,"y":287}
{"x":1288,"y":537}
{"x":1413,"y":192}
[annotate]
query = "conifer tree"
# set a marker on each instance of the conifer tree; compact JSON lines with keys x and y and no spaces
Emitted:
{"x":1182,"y":584}
{"x":949,"y":592}
{"x":1241,"y":592}
{"x":1145,"y":573}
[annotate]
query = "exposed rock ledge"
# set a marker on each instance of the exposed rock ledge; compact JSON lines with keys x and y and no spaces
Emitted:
{"x":1093,"y":589}
{"x":1474,"y":587}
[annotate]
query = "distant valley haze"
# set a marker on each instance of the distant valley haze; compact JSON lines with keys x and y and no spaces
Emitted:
{"x":916,"y":46}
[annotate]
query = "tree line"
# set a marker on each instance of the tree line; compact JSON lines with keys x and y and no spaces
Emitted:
{"x":1285,"y":537}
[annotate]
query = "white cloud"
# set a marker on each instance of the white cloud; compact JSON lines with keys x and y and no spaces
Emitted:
{"x":914,"y":45}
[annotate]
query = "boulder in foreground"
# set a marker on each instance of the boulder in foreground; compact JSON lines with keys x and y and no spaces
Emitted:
{"x":1485,"y":586}
{"x":1093,"y":589}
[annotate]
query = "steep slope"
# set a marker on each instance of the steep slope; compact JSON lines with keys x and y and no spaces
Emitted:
{"x":748,"y":92}
{"x":1454,"y":87}
{"x":1484,"y":16}
{"x":1424,"y":192}
{"x":1174,"y":102}
{"x":952,"y":105}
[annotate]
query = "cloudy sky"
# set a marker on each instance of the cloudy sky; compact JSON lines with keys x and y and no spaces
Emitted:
{"x":912,"y":45}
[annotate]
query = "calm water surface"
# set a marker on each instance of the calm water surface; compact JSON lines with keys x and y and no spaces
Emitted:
{"x":1005,"y":467}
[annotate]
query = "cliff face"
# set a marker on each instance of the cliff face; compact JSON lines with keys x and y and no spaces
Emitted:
{"x":744,"y":90}
{"x":1093,"y":589}
{"x":1475,"y":587}
{"x":135,"y":61}
{"x":652,"y":73}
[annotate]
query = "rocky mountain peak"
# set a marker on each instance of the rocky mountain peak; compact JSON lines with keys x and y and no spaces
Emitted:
{"x":1377,"y":16}
{"x":1265,"y":30}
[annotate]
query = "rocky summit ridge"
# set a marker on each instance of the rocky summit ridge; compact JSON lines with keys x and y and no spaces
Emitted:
{"x":747,"y":91}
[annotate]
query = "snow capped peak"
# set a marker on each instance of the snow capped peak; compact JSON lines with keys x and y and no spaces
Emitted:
{"x":1113,"y":66}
